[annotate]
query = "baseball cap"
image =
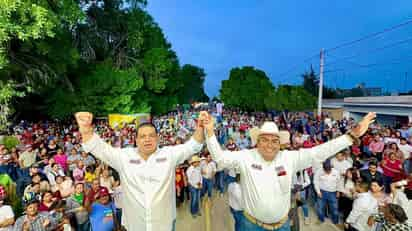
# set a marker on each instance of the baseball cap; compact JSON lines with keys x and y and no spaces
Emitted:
{"x":103,"y":191}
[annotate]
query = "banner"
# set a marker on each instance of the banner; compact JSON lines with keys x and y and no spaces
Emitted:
{"x":119,"y":120}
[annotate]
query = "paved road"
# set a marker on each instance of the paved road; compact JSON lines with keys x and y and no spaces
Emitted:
{"x":216,"y":217}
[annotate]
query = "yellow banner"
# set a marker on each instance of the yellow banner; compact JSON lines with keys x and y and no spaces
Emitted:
{"x":119,"y":120}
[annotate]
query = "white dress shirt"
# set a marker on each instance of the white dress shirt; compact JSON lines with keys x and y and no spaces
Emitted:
{"x":194,"y":177}
{"x":148,"y":185}
{"x":406,"y":149}
{"x":363,"y":207}
{"x":341,"y":166}
{"x":326,"y":182}
{"x":402,"y":200}
{"x":208,"y":170}
{"x":235,"y":196}
{"x":266,"y":184}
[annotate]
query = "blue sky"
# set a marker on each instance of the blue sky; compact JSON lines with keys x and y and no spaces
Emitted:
{"x":277,"y":36}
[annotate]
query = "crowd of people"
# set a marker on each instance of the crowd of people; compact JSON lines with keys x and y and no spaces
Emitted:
{"x":61,"y":186}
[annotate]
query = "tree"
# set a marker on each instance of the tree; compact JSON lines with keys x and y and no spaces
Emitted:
{"x":246,"y":89}
{"x":8,"y":92}
{"x":311,"y":82}
{"x":107,"y":90}
{"x":293,"y":98}
{"x":193,"y":79}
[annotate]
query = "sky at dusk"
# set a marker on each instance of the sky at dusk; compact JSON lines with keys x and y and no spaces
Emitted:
{"x":284,"y":38}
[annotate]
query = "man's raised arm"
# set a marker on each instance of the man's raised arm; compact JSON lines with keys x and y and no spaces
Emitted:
{"x":224,"y":159}
{"x":184,"y":151}
{"x":92,"y":143}
{"x":304,"y":158}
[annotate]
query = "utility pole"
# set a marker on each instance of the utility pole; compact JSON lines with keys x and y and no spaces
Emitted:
{"x":320,"y":83}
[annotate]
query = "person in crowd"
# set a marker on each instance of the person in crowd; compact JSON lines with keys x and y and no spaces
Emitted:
{"x":235,"y":201}
{"x":406,"y":150}
{"x":33,"y":220}
{"x":144,"y":170}
{"x":378,"y":192}
{"x":393,"y":219}
{"x":399,"y":198}
{"x":347,"y":191}
{"x":102,"y":211}
{"x":76,"y":205}
{"x":363,"y":207}
{"x":326,"y":183}
{"x":243,"y":141}
{"x":106,"y":180}
{"x":267,"y":202}
{"x":341,"y":164}
{"x":28,"y":157}
{"x":181,"y":183}
{"x":87,"y":159}
{"x":79,"y":172}
{"x":302,"y":184}
{"x":47,"y":201}
{"x":392,"y":170}
{"x":61,"y":159}
{"x":371,"y":174}
{"x":194,"y":177}
{"x":376,"y":147}
{"x":208,"y":170}
{"x":6,"y":212}
{"x":72,"y":159}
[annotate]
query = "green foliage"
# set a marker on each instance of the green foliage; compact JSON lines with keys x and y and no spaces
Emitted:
{"x":293,"y":98}
{"x":311,"y":82}
{"x":10,"y":142}
{"x":8,"y":92}
{"x":106,"y":90}
{"x":193,"y":79}
{"x":246,"y":89}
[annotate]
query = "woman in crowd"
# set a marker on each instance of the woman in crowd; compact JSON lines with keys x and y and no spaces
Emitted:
{"x":347,"y":191}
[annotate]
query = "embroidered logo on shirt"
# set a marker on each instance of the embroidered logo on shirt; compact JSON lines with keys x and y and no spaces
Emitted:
{"x":256,"y":166}
{"x":134,"y":161}
{"x":160,"y":160}
{"x":280,"y":170}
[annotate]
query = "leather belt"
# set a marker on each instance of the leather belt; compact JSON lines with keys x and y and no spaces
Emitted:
{"x":266,"y":226}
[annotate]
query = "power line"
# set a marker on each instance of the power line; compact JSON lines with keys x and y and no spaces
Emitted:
{"x":369,"y":36}
{"x":372,"y":50}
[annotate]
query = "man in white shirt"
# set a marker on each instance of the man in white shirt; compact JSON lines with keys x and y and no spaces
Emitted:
{"x":208,"y":170}
{"x":340,"y":164}
{"x":406,"y":150}
{"x":363,"y":207}
{"x":147,"y":173}
{"x":326,"y":181}
{"x":266,"y":172}
{"x":194,"y":177}
{"x":235,"y":201}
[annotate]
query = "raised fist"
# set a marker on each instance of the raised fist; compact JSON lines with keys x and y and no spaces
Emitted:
{"x":84,"y":120}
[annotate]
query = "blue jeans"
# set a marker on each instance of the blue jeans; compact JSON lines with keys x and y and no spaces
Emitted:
{"x":220,"y":181}
{"x":236,"y":216}
{"x":328,"y":198}
{"x":407,"y":166}
{"x":174,"y":225}
{"x":246,"y":225}
{"x":305,"y":207}
{"x":387,"y":181}
{"x":194,"y":200}
{"x":207,"y":186}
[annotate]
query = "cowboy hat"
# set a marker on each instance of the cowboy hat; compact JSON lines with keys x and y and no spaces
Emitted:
{"x":269,"y":128}
{"x":194,"y":159}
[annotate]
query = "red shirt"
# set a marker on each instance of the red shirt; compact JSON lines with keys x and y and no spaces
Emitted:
{"x":389,"y":167}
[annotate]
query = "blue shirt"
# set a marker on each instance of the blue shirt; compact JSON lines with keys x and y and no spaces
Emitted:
{"x":101,"y":217}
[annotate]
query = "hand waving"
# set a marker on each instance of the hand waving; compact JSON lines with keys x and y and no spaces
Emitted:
{"x":363,"y":125}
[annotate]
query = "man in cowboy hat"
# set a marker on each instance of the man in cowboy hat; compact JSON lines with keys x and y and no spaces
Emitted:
{"x":194,"y":177}
{"x":266,"y":171}
{"x":146,"y":172}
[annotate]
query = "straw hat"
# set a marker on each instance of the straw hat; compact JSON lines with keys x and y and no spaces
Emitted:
{"x":269,"y":128}
{"x":195,"y":158}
